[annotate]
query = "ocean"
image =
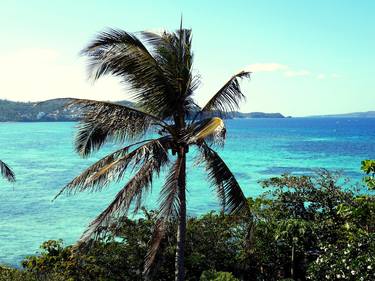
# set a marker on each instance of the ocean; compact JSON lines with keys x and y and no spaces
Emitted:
{"x":43,"y":158}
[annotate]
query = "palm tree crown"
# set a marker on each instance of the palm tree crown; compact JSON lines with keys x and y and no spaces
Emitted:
{"x":157,"y":68}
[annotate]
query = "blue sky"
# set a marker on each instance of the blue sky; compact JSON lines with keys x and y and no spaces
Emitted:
{"x":308,"y":57}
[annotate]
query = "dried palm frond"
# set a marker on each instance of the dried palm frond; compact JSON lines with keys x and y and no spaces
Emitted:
{"x":132,"y":192}
{"x":209,"y":130}
{"x":113,"y":166}
{"x":154,"y":247}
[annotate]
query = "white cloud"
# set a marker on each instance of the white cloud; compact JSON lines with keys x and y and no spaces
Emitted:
{"x":297,"y":73}
{"x":322,"y":76}
{"x":266,"y":67}
{"x":278,"y":67}
{"x":287,"y":70}
{"x":39,"y":74}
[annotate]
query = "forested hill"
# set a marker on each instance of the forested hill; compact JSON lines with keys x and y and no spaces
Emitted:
{"x":50,"y":110}
{"x":53,"y":110}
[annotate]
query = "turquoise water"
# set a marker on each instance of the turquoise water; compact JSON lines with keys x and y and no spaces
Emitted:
{"x":42,"y":156}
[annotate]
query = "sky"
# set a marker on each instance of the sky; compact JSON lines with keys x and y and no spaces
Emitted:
{"x":307,"y":57}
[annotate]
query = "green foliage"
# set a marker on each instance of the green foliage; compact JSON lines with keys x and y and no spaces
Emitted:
{"x":11,"y":274}
{"x":301,"y":227}
{"x":368,"y":166}
{"x":213,"y":275}
{"x":296,"y":215}
{"x":104,"y":260}
{"x":121,"y":256}
{"x":347,"y":260}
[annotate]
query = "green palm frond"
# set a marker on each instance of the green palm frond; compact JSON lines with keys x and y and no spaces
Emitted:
{"x":228,"y":190}
{"x":103,"y":121}
{"x":123,"y":55}
{"x":154,"y":246}
{"x":175,"y":57}
{"x":169,"y":202}
{"x":169,"y":206}
{"x":113,"y":166}
{"x":7,"y":172}
{"x":228,"y":97}
{"x":120,"y":53}
{"x":132,"y":192}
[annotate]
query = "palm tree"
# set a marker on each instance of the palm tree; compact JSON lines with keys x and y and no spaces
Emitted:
{"x":157,"y":68}
{"x":6,"y":172}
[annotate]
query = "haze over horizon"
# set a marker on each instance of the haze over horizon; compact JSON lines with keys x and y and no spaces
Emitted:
{"x":307,"y":58}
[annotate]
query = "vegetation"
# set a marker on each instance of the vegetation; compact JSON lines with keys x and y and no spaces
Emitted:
{"x":158,"y":68}
{"x":368,"y":166}
{"x":302,"y":228}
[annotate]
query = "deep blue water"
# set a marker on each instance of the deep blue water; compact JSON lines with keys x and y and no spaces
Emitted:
{"x":43,"y":158}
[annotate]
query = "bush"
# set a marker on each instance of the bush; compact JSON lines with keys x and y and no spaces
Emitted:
{"x":213,"y":275}
{"x":301,"y":227}
{"x":11,"y":274}
{"x":353,"y":260}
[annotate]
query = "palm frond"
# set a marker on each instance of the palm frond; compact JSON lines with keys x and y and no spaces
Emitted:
{"x":103,"y":121}
{"x":122,"y":54}
{"x":156,"y":239}
{"x":113,"y":166}
{"x":229,"y":191}
{"x":168,"y":208}
{"x":7,"y":172}
{"x":228,"y":97}
{"x":119,"y":53}
{"x":132,"y":192}
{"x":175,"y":57}
{"x":169,"y":202}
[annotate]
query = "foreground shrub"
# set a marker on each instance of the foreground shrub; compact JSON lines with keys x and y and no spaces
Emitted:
{"x":301,"y":227}
{"x":213,"y":275}
{"x":11,"y":274}
{"x":353,"y":260}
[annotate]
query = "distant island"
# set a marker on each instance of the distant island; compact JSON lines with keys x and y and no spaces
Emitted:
{"x":366,"y":114}
{"x":54,"y":111}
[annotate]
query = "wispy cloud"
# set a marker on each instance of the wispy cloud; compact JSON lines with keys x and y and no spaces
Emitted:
{"x":297,"y":73}
{"x":288,"y":71}
{"x":322,"y":76}
{"x":266,"y":67}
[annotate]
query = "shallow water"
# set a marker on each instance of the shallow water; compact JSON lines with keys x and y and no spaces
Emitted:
{"x":43,"y":158}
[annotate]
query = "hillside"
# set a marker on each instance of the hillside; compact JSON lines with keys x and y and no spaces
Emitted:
{"x":53,"y":110}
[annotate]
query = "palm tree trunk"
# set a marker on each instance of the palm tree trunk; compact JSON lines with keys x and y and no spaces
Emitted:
{"x":181,"y":230}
